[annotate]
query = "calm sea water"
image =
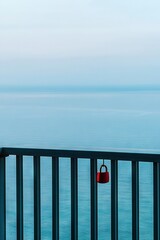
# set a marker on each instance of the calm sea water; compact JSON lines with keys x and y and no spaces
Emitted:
{"x":90,"y":121}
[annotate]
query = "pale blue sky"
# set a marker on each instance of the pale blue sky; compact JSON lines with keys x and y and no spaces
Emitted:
{"x":65,"y":42}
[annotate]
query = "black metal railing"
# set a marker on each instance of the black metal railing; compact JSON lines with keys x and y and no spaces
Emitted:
{"x":114,"y":157}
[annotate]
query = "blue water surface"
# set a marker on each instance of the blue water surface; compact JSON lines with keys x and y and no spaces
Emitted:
{"x":116,"y":121}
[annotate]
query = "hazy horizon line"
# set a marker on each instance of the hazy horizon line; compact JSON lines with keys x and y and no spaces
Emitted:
{"x":79,"y":88}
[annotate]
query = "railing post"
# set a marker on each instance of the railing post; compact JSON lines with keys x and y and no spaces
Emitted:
{"x":19,"y":200}
{"x":114,"y":200}
{"x":37,"y":199}
{"x":135,"y":200}
{"x":74,"y":199}
{"x":2,"y":199}
{"x":55,"y":198}
{"x":156,"y":200}
{"x":94,"y":203}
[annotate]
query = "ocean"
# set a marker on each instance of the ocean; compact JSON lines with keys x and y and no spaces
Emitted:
{"x":109,"y":121}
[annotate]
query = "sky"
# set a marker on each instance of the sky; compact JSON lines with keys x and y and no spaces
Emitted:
{"x":83,"y":42}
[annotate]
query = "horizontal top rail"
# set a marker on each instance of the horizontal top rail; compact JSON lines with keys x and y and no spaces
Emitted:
{"x":127,"y":156}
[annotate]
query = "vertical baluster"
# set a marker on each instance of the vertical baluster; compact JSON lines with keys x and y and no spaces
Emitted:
{"x":2,"y":199}
{"x":19,"y":193}
{"x":114,"y":199}
{"x":94,"y":204}
{"x":74,"y":199}
{"x":135,"y":200}
{"x":156,"y":200}
{"x":55,"y":198}
{"x":37,"y":199}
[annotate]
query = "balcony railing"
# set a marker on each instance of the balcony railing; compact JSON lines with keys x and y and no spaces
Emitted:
{"x":114,"y":157}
